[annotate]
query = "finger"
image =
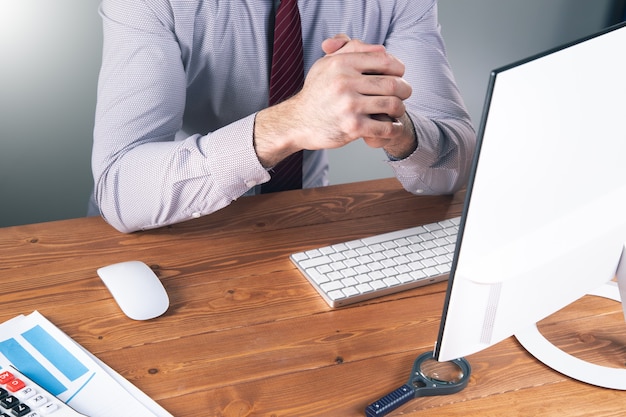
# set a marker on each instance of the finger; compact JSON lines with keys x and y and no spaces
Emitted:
{"x":373,"y":62}
{"x":382,"y":85}
{"x":374,"y":142}
{"x":332,"y":45}
{"x":343,"y":44}
{"x":392,"y":107}
{"x":378,"y":134}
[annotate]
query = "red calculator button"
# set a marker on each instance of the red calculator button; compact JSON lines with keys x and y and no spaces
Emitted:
{"x":15,"y":385}
{"x":6,"y":377}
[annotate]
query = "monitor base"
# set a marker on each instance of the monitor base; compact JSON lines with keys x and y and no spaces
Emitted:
{"x":542,"y":349}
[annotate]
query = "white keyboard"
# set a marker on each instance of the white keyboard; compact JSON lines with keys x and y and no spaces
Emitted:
{"x":20,"y":396}
{"x":363,"y":269}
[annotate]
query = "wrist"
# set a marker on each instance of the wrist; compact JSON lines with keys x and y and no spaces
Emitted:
{"x":273,"y":136}
{"x":406,"y":144}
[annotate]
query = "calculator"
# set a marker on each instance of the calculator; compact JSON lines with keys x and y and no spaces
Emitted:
{"x":20,"y":396}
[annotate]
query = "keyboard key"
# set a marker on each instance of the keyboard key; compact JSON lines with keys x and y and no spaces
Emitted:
{"x":316,"y":276}
{"x":429,"y":263}
{"x":432,"y":227}
{"x":418,"y":275}
{"x":355,"y":244}
{"x":300,"y":256}
{"x":340,"y":247}
{"x":313,"y":253}
{"x":376,"y":276}
{"x":323,"y":269}
{"x":444,"y":268}
{"x":403,"y":269}
{"x":331,"y":286}
{"x":334,"y":275}
{"x":313,"y":262}
{"x":351,"y":263}
{"x":325,"y":251}
{"x":337,"y":256}
{"x":364,"y":288}
{"x":391,"y":281}
{"x":431,"y":272}
{"x":362,"y":270}
{"x":350,"y":291}
{"x":336,"y":295}
{"x":349,"y":282}
{"x":378,"y":285}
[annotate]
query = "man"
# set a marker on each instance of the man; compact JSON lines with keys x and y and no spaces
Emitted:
{"x":183,"y":125}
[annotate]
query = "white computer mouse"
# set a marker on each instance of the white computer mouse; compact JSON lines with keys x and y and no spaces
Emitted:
{"x":136,"y":289}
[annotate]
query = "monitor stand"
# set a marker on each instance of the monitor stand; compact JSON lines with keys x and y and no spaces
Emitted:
{"x":538,"y":346}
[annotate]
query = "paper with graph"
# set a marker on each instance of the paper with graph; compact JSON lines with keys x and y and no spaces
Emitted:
{"x":42,"y":352}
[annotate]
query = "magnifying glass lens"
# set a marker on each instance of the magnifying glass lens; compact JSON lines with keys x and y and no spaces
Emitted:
{"x":441,"y":372}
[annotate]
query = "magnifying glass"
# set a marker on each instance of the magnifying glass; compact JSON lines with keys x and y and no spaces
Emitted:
{"x":429,"y":377}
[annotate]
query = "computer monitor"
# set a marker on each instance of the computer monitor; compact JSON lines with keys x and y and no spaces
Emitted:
{"x":544,"y":221}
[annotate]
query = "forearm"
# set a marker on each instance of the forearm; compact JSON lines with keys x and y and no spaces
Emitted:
{"x":161,"y":183}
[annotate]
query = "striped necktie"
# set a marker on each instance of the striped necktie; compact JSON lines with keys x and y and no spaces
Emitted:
{"x":286,"y":79}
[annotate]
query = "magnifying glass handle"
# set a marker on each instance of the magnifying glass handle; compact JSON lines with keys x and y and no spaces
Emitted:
{"x":390,"y":401}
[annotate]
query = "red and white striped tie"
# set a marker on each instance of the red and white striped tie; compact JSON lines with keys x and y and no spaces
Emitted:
{"x":286,"y":79}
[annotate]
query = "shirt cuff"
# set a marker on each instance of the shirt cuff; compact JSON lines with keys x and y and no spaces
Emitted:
{"x":232,"y":159}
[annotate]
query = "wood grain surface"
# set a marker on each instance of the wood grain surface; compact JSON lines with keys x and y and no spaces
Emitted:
{"x":246,"y":335}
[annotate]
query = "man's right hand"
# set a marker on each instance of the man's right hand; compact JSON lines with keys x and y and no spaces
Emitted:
{"x":342,"y":90}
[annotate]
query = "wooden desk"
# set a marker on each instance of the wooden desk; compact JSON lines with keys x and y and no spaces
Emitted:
{"x":247,"y":336}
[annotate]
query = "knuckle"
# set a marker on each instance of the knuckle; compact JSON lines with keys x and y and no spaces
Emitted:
{"x":340,"y":84}
{"x":389,"y":61}
{"x":408,"y":90}
{"x":388,"y":85}
{"x":385,"y":130}
{"x":390,"y":105}
{"x":383,"y":104}
{"x":347,"y":107}
{"x":398,"y":107}
{"x":351,"y":127}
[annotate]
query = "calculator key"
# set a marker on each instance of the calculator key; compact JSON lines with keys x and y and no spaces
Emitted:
{"x":6,"y":377}
{"x":15,"y":385}
{"x":9,"y":402}
{"x":37,"y":401}
{"x":20,"y":410}
{"x":48,"y":409}
{"x":26,"y":393}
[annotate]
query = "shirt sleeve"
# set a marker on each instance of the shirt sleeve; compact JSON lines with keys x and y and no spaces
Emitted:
{"x":446,"y":138}
{"x":144,"y":178}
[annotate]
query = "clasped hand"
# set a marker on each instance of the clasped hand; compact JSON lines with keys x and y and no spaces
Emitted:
{"x":355,"y":91}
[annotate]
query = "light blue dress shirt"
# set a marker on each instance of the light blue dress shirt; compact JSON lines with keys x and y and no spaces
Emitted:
{"x":181,"y":82}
